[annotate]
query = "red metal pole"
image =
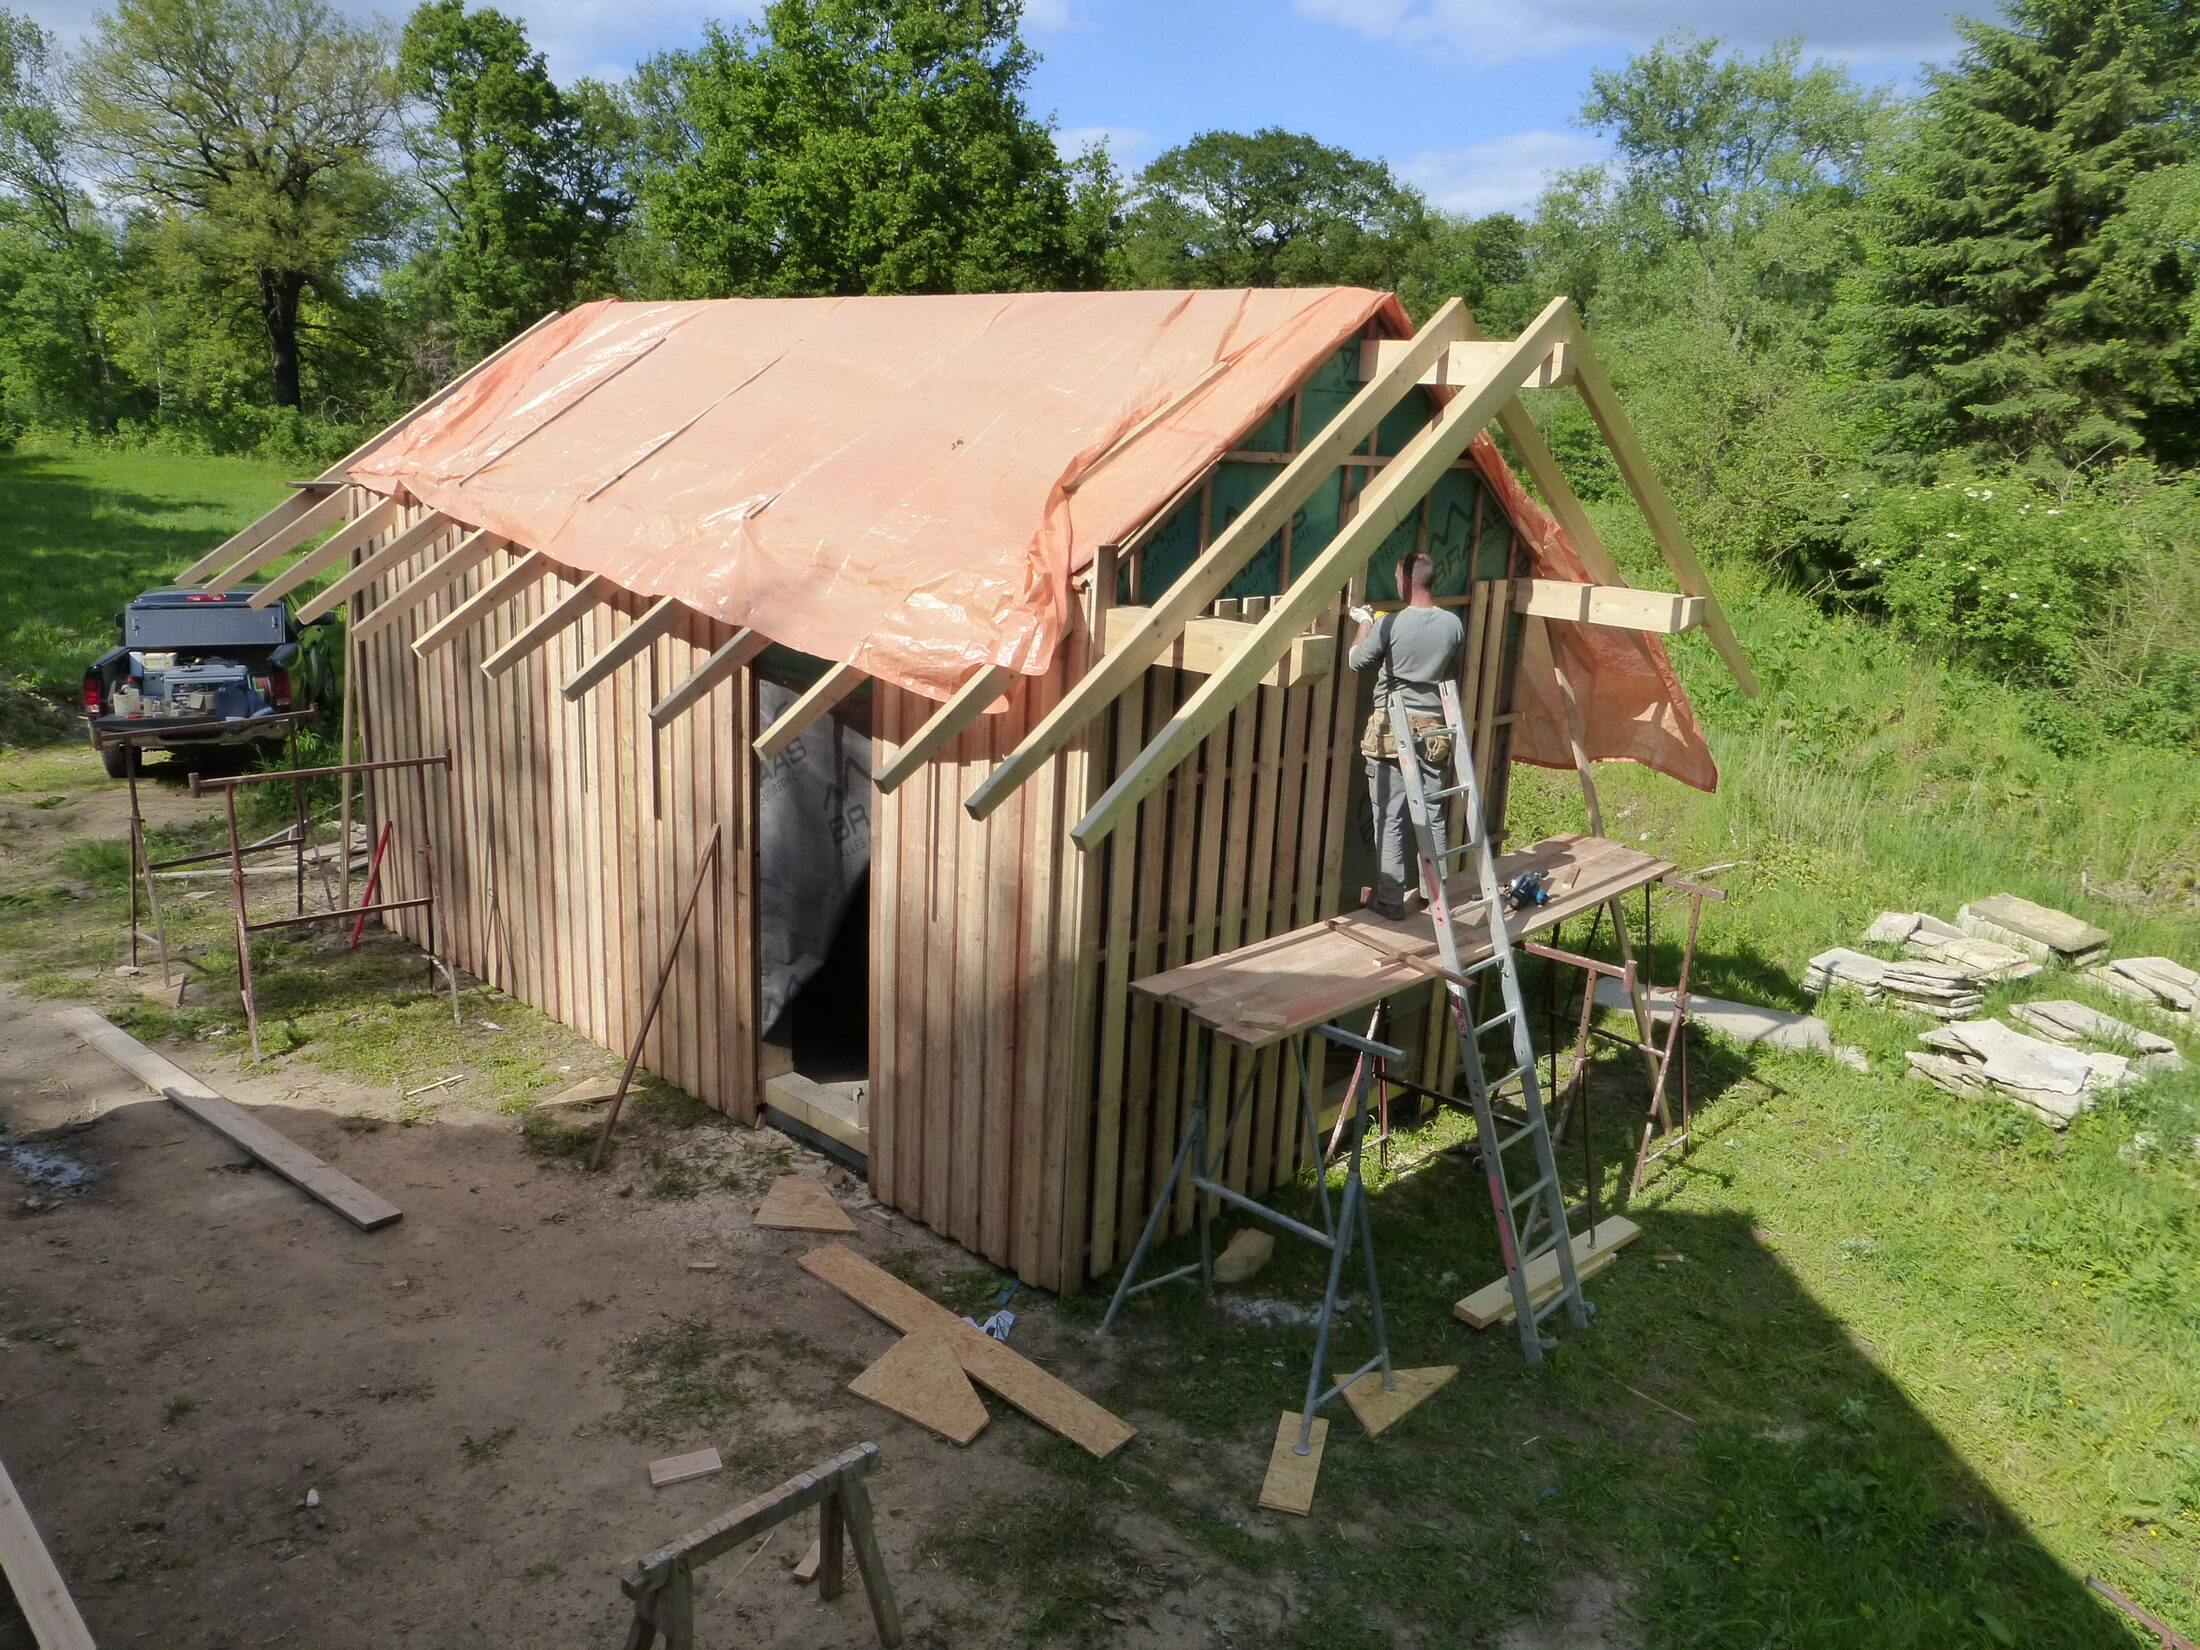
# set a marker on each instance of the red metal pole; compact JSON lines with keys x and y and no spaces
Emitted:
{"x":374,"y":879}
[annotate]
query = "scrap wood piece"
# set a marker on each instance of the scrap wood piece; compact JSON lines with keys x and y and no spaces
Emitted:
{"x":33,"y":1578}
{"x":1378,"y":1409}
{"x":589,"y":1091}
{"x":1594,"y":1250}
{"x":1052,"y":1403}
{"x":678,"y":1469}
{"x":364,"y":1209}
{"x":805,"y":1567}
{"x":798,"y":1202}
{"x":2038,"y":929}
{"x":1289,"y":1486}
{"x":919,"y":1380}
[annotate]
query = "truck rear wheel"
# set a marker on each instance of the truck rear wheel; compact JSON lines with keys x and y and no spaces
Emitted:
{"x":117,"y":760}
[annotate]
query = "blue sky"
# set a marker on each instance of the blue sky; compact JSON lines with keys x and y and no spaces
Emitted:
{"x":1470,"y":99}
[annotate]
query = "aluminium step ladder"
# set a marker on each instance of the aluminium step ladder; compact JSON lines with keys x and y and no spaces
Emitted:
{"x":1531,"y":1222}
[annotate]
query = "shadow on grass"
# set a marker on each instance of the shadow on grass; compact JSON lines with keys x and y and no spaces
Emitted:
{"x":1715,"y":1441}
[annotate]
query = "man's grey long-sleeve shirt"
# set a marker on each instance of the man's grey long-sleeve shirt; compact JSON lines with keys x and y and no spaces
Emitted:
{"x":1424,"y":650}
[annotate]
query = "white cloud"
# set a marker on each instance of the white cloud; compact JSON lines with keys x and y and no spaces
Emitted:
{"x":1486,"y":31}
{"x":1046,"y":15}
{"x":1503,"y":174}
{"x":1130,"y":147}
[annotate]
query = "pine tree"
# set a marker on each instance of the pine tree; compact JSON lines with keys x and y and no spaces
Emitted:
{"x":1991,"y":302}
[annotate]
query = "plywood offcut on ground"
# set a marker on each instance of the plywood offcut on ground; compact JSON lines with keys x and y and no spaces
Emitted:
{"x":1378,"y":1409}
{"x":800,"y":1203}
{"x":364,"y":1209}
{"x":678,"y":1469}
{"x":1050,"y":1402}
{"x":1594,"y":1250}
{"x":1289,"y":1486}
{"x":1275,"y":988}
{"x":919,"y":1380}
{"x":39,"y":1591}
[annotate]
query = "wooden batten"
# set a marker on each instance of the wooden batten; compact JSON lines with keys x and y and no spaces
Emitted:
{"x":583,"y":596}
{"x":524,"y":573}
{"x":319,"y":518}
{"x":359,"y":531}
{"x":468,"y":554}
{"x":827,"y":691}
{"x":970,"y":701}
{"x":388,"y":558}
{"x":1204,"y":646}
{"x":723,"y":665}
{"x":632,"y":641}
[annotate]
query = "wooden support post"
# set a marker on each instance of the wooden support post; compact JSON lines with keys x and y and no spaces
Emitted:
{"x":319,"y":519}
{"x":746,"y":645}
{"x":1393,"y":494}
{"x":970,"y":701}
{"x":827,"y":691}
{"x":527,"y":571}
{"x":660,"y":618}
{"x":392,"y":555}
{"x":1129,"y":655}
{"x":468,"y":554}
{"x":338,"y":545}
{"x":579,"y":600}
{"x":703,"y":866}
{"x":1655,"y":611}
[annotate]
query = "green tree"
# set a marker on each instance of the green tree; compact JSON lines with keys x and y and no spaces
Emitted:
{"x":1270,"y":208}
{"x":250,"y":129}
{"x":1997,"y":308}
{"x":527,"y":175}
{"x":57,"y":259}
{"x":853,"y":146}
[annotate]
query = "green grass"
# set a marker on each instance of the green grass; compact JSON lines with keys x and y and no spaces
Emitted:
{"x":88,"y":529}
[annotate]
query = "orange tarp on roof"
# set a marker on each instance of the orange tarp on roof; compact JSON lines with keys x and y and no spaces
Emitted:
{"x":900,"y":484}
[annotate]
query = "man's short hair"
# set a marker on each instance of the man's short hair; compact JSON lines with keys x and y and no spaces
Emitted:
{"x":1415,"y":568}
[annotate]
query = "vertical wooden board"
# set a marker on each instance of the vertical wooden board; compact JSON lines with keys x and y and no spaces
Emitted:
{"x":936,"y":1065}
{"x":1239,"y":796}
{"x":1259,"y":900}
{"x":1078,"y":917}
{"x":1108,"y":1142}
{"x":1291,"y":830}
{"x":1147,"y":948}
{"x":1346,"y":789}
{"x":916,"y":805}
{"x":737,"y":942}
{"x":1004,"y":1021}
{"x":887,"y":736}
{"x":1493,"y":662}
{"x":1031,"y":1193}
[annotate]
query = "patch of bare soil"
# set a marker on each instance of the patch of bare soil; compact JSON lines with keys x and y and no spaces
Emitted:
{"x":240,"y":1422}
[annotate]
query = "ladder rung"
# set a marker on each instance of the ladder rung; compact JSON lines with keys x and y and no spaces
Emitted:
{"x":1556,"y":1301}
{"x":1438,"y":796}
{"x":1499,"y":1020}
{"x":1490,"y":961}
{"x":1519,"y":1198}
{"x":1506,"y":1142}
{"x":1547,"y":1246}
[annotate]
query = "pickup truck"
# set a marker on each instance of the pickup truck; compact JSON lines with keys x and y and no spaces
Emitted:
{"x":205,"y":672}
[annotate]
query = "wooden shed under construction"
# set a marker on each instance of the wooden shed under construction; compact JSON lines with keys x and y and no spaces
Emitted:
{"x":1000,"y":643}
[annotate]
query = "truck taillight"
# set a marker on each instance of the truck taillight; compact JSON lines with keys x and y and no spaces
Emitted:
{"x":92,"y":701}
{"x":278,"y":687}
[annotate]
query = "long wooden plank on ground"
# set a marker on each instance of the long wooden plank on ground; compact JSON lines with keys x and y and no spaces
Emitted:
{"x":529,"y":570}
{"x":1394,"y":493}
{"x":970,"y":701}
{"x":564,"y":612}
{"x":1658,"y":611}
{"x":919,"y":1380}
{"x":378,"y":518}
{"x":824,"y":693}
{"x":466,"y":555}
{"x":324,"y":515}
{"x":1594,"y":1250}
{"x":286,"y":1157}
{"x":659,"y":619}
{"x":1665,"y":525}
{"x":34,"y":1579}
{"x":394,"y":554}
{"x":1050,"y":1402}
{"x":1128,"y":656}
{"x":336,"y":474}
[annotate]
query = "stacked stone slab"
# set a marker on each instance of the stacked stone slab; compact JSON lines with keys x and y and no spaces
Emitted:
{"x":2037,"y":930}
{"x":1923,"y":935}
{"x":1986,"y":1058}
{"x":1942,"y":990}
{"x":2155,"y":981}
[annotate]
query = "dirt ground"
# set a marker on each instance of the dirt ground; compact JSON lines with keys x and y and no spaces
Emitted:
{"x":191,"y":1346}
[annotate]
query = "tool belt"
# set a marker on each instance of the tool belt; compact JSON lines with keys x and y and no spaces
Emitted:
{"x":1430,"y":737}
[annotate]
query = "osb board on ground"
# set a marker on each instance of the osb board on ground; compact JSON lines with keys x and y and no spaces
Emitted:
{"x":920,"y":1380}
{"x":1050,"y":1402}
{"x":1289,"y":1486}
{"x":1594,"y":1250}
{"x":1379,"y":1408}
{"x":800,"y":1203}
